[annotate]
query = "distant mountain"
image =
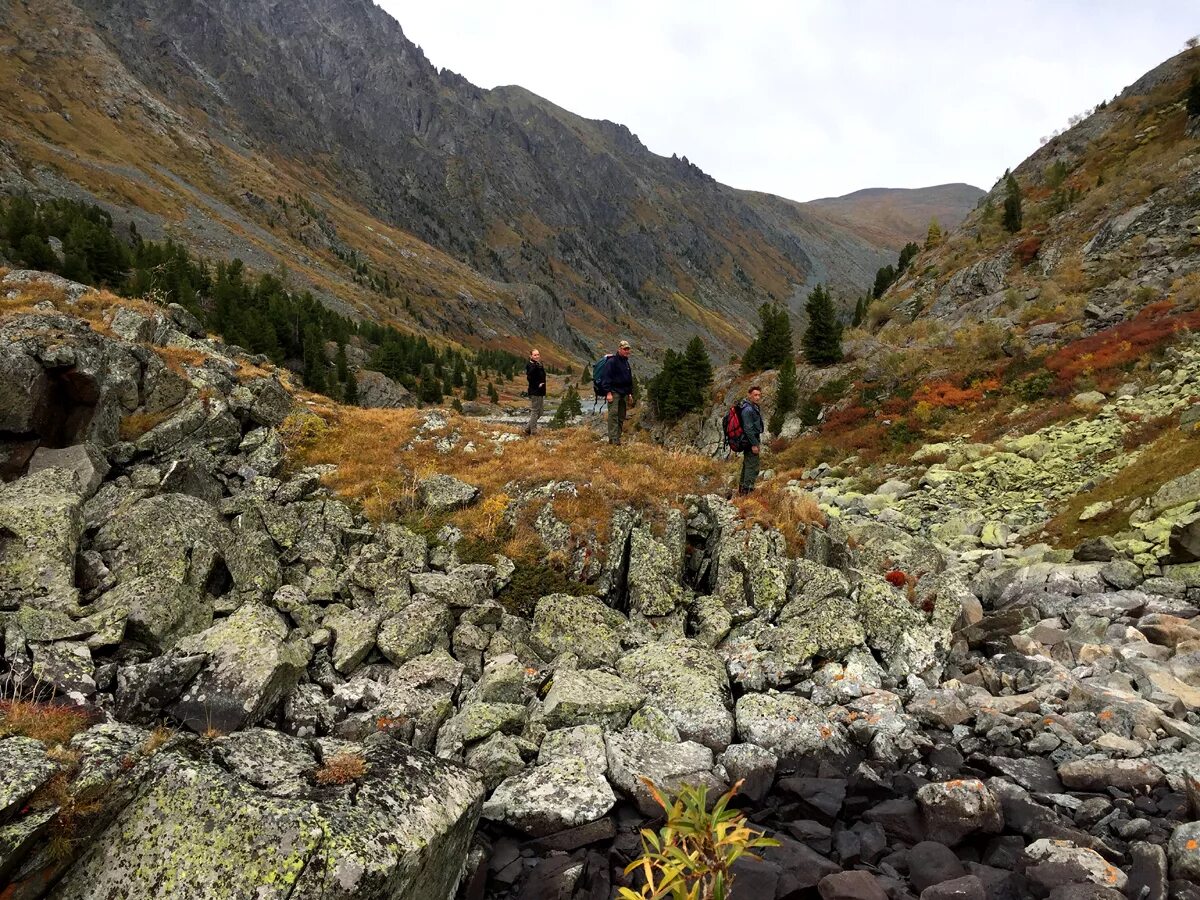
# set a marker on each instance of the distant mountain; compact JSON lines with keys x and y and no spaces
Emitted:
{"x":313,"y":133}
{"x":891,"y":217}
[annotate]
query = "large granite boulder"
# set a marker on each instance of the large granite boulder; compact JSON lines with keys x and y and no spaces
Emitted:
{"x":41,"y":521}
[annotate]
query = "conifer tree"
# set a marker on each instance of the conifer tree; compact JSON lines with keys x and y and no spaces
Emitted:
{"x":907,"y":255}
{"x":823,"y":337}
{"x":933,"y":236}
{"x":471,"y":389}
{"x":342,"y":364}
{"x":493,"y":394}
{"x":860,"y":310}
{"x":568,"y":408}
{"x":883,"y":280}
{"x":787,"y":395}
{"x":1193,"y":97}
{"x":314,"y":361}
{"x":350,"y":392}
{"x":774,"y":341}
{"x":1012,"y":205}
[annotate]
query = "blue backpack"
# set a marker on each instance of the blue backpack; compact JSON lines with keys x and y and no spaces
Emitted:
{"x":598,"y":368}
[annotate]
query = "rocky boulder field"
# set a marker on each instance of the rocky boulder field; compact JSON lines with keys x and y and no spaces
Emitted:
{"x":276,"y":698}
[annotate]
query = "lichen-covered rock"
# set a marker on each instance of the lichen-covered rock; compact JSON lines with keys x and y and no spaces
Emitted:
{"x":655,"y":571}
{"x":417,"y":629}
{"x":26,"y":768}
{"x":85,"y":460}
{"x":788,"y":725}
{"x":1056,"y":862}
{"x":457,"y":590}
{"x":198,"y":831}
{"x":689,"y":683}
{"x":954,"y":809}
{"x":443,"y":493}
{"x":634,"y":755}
{"x":566,"y":788}
{"x":277,"y":763}
{"x":581,"y":625}
{"x":354,"y":632}
{"x":160,"y":611}
{"x":476,"y":721}
{"x":105,"y":752}
{"x":751,"y":765}
{"x":750,"y":572}
{"x":41,"y":520}
{"x":590,"y":697}
{"x":251,"y":665}
{"x":66,"y":666}
{"x":908,"y":643}
{"x":1184,"y":851}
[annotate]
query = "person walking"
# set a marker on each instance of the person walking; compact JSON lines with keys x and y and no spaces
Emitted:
{"x":535,"y":374}
{"x":752,"y":427}
{"x":617,"y":384}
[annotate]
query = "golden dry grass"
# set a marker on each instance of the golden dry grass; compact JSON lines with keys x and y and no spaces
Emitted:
{"x":341,"y":769}
{"x":379,"y":465}
{"x":792,"y":512}
{"x":48,"y":722}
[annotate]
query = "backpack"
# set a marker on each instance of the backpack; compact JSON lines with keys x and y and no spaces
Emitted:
{"x":598,"y":368}
{"x":735,"y":433}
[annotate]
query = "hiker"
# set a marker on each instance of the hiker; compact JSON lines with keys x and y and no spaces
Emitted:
{"x":617,"y":383}
{"x":536,"y":375}
{"x":752,"y":426}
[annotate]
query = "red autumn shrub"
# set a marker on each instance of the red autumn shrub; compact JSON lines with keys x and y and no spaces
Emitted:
{"x":1027,"y":251}
{"x":843,"y":418}
{"x":896,"y":578}
{"x":1121,"y":345}
{"x":943,"y":393}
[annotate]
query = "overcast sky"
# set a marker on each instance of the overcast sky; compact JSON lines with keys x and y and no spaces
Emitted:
{"x":814,"y":98}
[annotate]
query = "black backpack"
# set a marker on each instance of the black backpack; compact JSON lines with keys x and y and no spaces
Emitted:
{"x":734,"y":430}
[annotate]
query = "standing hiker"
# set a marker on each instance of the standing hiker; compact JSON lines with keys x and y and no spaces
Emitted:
{"x":752,"y":427}
{"x":616,"y":381}
{"x":536,"y":375}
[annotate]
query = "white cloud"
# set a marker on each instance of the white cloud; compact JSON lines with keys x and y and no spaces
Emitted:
{"x":814,"y":98}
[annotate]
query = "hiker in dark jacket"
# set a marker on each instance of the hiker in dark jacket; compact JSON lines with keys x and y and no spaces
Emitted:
{"x":536,"y":375}
{"x":752,"y":426}
{"x":617,"y":384}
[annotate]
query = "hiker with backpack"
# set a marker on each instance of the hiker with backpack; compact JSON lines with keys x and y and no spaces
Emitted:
{"x":536,"y":376}
{"x":743,"y":426}
{"x":612,"y":378}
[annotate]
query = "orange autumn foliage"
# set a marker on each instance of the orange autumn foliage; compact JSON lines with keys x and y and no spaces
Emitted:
{"x":1123,"y":344}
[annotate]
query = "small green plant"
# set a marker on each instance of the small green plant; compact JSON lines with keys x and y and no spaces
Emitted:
{"x":691,"y":856}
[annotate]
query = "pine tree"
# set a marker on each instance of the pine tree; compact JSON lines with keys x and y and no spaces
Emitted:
{"x":696,"y":373}
{"x":314,"y":360}
{"x":430,"y":390}
{"x":933,"y":236}
{"x":1012,"y":205}
{"x":568,"y":408}
{"x":907,"y":255}
{"x":883,"y":280}
{"x":493,"y":394}
{"x":787,"y":395}
{"x":471,"y":389}
{"x":350,"y":392}
{"x":860,"y":310}
{"x":342,"y":364}
{"x":823,"y":338}
{"x":774,"y":341}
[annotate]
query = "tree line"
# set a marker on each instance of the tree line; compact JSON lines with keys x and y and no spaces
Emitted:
{"x":259,"y":313}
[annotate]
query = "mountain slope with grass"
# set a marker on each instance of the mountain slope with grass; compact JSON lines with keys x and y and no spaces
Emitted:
{"x":316,"y":137}
{"x":894,"y":216}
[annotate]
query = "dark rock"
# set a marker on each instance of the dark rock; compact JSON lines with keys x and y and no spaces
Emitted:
{"x":966,"y":888}
{"x":1099,"y":774}
{"x":931,"y":863}
{"x":1005,"y":852}
{"x":756,"y":877}
{"x":873,"y":840}
{"x":554,"y":878}
{"x":846,"y":846}
{"x":823,"y":794}
{"x":1032,"y":773}
{"x":1147,"y":872}
{"x":856,"y":885}
{"x":1086,"y":892}
{"x":580,"y":836}
{"x":812,"y":833}
{"x":900,"y":818}
{"x":999,"y":883}
{"x":800,"y":866}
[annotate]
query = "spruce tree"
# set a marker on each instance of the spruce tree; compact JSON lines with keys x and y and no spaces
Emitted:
{"x":568,"y":408}
{"x":860,"y":310}
{"x":1193,"y":97}
{"x":787,"y":395}
{"x":471,"y":389}
{"x":907,"y":255}
{"x":1012,"y":205}
{"x":774,"y":341}
{"x":883,"y":280}
{"x":493,"y":394}
{"x":314,"y":361}
{"x":350,"y":392}
{"x":823,"y":338}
